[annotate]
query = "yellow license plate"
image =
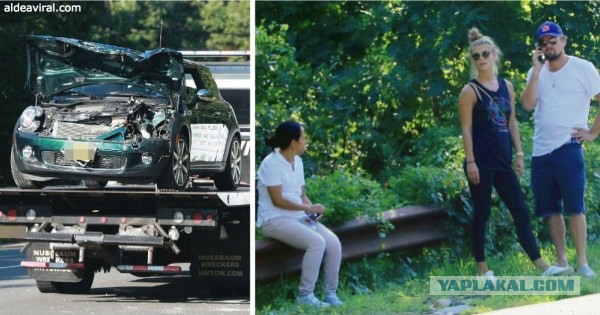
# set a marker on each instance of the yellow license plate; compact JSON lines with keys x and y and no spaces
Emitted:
{"x":79,"y":151}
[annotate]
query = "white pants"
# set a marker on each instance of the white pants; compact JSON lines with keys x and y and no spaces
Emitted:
{"x":321,"y":245}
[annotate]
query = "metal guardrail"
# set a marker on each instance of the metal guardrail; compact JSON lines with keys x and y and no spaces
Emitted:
{"x":415,"y":226}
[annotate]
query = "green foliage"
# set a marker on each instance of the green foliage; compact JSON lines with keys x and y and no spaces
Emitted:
{"x":277,"y":97}
{"x":398,"y":283}
{"x":376,"y":84}
{"x":348,"y":195}
{"x":592,"y":191}
{"x":369,"y":90}
{"x":429,"y":185}
{"x":227,"y":24}
{"x":186,"y":25}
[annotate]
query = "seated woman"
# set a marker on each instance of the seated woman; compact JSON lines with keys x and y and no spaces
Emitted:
{"x":283,"y":210}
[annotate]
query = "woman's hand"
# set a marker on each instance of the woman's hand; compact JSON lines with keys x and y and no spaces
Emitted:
{"x":473,"y":173}
{"x":519,"y":165}
{"x":315,"y":208}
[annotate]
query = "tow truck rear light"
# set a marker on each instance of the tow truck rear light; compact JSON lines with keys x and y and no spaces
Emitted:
{"x":11,"y":214}
{"x":197,"y":217}
{"x":51,"y":265}
{"x":178,"y":217}
{"x":149,"y":268}
{"x":31,"y":214}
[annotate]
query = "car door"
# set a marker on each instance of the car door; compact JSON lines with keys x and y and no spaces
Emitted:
{"x":212,"y":121}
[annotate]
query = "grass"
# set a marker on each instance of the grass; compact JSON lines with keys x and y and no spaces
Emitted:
{"x":397,"y":284}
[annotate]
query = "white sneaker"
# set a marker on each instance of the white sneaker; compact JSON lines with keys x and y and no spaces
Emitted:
{"x":333,"y":300}
{"x":587,"y":272}
{"x":311,"y":300}
{"x":557,"y":271}
{"x":488,"y":275}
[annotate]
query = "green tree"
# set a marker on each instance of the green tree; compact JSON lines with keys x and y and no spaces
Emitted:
{"x":382,"y":73}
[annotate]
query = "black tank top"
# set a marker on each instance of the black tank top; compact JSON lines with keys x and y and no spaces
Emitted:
{"x":492,"y":142}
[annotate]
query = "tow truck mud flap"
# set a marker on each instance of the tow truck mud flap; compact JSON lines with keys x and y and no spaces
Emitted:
{"x":40,"y":252}
{"x":222,"y":264}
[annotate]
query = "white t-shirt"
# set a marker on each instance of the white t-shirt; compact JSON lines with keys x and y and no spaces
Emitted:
{"x":275,"y":170}
{"x":563,"y":103}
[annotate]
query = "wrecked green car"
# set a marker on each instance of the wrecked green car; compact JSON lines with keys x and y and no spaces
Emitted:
{"x":105,"y":113}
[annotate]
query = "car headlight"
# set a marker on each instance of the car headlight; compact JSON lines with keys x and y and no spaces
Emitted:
{"x":30,"y":119}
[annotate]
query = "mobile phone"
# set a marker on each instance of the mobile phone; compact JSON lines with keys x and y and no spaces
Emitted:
{"x":314,"y":216}
{"x":540,"y":58}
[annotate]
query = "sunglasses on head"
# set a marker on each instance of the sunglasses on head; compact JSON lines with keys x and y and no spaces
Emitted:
{"x":544,"y":43}
{"x":485,"y":54}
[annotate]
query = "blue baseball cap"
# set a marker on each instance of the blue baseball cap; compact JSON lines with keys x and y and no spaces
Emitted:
{"x":549,"y":28}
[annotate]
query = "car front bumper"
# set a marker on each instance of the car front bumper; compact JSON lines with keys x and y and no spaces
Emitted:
{"x":110,"y":160}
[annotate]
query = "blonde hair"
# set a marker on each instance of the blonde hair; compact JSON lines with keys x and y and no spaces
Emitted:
{"x":477,"y":39}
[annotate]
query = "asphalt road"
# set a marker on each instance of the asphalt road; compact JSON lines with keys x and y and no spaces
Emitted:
{"x":111,"y":293}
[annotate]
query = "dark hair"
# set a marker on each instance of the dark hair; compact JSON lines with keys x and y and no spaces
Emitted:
{"x":284,"y":134}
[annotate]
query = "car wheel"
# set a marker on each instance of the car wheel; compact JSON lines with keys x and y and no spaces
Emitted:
{"x":231,"y":176}
{"x":95,"y":184}
{"x":20,"y":181}
{"x":177,"y":173}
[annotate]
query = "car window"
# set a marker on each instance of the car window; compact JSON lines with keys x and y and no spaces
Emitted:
{"x":207,"y":81}
{"x":190,"y":92}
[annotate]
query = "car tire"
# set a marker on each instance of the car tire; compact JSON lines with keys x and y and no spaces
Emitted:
{"x":20,"y":181}
{"x":231,"y":176}
{"x":95,"y":184}
{"x":177,"y":172}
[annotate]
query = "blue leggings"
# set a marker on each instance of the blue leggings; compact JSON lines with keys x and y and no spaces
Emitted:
{"x":508,"y":188}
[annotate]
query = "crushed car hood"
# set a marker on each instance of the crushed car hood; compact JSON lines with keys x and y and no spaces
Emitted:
{"x":56,"y":64}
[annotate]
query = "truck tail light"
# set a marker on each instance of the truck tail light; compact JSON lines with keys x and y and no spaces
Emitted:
{"x":11,"y":214}
{"x":210,"y":217}
{"x":31,"y":214}
{"x":178,"y":217}
{"x":197,"y":217}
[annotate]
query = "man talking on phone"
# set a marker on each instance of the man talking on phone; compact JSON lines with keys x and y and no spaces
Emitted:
{"x":559,"y":89}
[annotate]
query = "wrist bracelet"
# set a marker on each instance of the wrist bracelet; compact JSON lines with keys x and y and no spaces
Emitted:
{"x":469,"y":162}
{"x":520,"y":153}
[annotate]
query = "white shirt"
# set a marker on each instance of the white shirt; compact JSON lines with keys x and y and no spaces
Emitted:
{"x":563,"y":103}
{"x":275,"y":170}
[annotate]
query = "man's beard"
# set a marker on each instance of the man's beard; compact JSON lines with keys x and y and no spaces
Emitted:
{"x":553,"y":57}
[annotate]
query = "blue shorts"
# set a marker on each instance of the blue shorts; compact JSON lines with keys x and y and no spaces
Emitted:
{"x":558,"y":181}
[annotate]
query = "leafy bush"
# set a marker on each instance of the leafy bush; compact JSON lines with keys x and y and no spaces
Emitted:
{"x":349,"y":195}
{"x":592,"y":191}
{"x":448,"y":189}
